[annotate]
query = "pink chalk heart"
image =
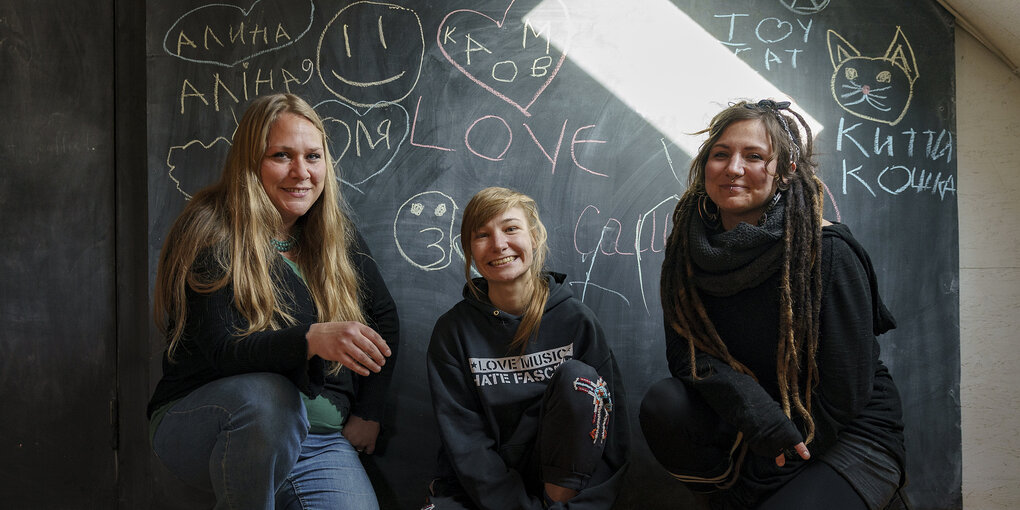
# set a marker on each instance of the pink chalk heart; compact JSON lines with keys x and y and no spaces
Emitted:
{"x":507,"y":58}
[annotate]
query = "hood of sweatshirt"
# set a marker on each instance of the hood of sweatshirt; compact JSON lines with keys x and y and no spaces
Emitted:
{"x":559,"y":291}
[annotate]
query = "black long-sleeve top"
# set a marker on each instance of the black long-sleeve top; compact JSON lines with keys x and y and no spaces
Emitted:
{"x":211,"y":348}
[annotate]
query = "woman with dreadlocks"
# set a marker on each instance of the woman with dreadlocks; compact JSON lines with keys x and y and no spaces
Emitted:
{"x":777,"y":398}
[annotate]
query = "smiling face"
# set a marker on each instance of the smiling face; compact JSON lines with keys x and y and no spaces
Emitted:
{"x":293,"y":167}
{"x":371,"y":52}
{"x":740,"y":173}
{"x":502,"y":248}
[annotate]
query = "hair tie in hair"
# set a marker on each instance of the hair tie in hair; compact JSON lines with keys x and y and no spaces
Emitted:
{"x":768,"y":104}
{"x":774,"y":107}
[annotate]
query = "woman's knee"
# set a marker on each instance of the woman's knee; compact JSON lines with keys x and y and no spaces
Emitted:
{"x":670,"y":405}
{"x":684,"y":434}
{"x":572,"y":369}
{"x":258,"y":414}
{"x":660,"y":416}
{"x":268,"y":403}
{"x":574,"y":387}
{"x":261,"y":409}
{"x":269,"y":392}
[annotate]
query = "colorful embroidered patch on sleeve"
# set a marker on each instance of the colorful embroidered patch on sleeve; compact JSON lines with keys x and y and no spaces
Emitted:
{"x":602,"y":403}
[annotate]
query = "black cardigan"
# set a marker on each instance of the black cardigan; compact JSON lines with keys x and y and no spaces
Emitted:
{"x":211,"y":349}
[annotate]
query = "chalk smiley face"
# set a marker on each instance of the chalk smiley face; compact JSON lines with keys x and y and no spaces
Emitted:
{"x":423,"y":230}
{"x":370,"y":53}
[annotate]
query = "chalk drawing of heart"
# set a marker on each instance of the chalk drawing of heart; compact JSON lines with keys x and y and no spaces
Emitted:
{"x":500,"y":25}
{"x":375,"y":135}
{"x":196,"y":164}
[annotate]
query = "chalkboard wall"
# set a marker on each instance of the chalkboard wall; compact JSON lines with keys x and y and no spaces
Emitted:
{"x":586,"y":105}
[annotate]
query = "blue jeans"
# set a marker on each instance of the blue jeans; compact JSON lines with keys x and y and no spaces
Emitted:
{"x":245,"y":439}
{"x":328,"y":474}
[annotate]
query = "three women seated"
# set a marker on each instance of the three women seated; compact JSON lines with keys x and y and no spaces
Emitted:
{"x":282,"y":338}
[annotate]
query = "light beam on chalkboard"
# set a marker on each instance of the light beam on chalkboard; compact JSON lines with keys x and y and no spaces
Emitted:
{"x":659,"y":62}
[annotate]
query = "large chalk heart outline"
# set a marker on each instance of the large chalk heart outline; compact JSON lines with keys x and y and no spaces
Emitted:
{"x":212,"y":11}
{"x":326,"y":110}
{"x":194,"y":159}
{"x":499,"y":24}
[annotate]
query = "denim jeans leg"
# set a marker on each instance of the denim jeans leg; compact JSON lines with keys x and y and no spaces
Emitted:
{"x":328,"y":474}
{"x":236,"y":437}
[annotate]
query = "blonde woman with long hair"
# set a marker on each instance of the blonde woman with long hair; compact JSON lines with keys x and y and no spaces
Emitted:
{"x":525,"y":388}
{"x":278,"y":327}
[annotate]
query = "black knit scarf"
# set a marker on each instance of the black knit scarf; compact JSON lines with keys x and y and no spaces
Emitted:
{"x":726,"y":262}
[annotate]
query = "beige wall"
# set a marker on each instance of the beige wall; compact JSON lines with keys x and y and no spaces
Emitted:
{"x":988,"y":127}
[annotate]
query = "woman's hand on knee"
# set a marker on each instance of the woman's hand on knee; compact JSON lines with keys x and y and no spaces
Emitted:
{"x":361,"y":434}
{"x":352,"y":344}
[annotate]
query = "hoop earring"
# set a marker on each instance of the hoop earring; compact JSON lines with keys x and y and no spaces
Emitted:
{"x":708,"y":211}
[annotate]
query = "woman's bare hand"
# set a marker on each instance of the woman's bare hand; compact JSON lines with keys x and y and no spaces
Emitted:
{"x":361,"y":434}
{"x":352,"y":344}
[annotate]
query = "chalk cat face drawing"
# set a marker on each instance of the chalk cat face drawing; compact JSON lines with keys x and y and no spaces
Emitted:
{"x":873,"y":88}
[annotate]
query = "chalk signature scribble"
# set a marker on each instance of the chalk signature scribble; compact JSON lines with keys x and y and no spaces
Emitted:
{"x":227,"y":35}
{"x":608,"y":247}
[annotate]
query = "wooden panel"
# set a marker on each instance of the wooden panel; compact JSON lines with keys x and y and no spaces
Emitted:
{"x":57,"y":357}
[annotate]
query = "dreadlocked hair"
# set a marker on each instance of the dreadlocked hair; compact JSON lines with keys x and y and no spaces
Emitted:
{"x":800,"y":291}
